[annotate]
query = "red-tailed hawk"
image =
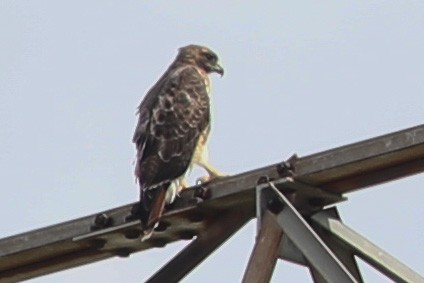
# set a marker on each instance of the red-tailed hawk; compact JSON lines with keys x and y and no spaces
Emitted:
{"x":173,"y":127}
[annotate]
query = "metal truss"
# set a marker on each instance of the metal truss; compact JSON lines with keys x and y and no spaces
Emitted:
{"x":318,"y":240}
{"x":294,"y":202}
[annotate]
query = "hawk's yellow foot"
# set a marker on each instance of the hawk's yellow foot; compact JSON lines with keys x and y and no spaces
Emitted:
{"x":213,"y":173}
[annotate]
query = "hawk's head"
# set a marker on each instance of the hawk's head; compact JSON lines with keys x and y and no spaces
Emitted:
{"x":200,"y":56}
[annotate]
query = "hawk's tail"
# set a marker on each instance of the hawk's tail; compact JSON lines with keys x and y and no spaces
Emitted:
{"x":152,"y":204}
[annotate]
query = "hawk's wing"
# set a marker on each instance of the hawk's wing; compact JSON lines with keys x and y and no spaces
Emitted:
{"x":172,"y":116}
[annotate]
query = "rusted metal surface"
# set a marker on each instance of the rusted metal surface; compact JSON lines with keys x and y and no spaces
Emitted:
{"x":99,"y":236}
{"x":265,"y":252}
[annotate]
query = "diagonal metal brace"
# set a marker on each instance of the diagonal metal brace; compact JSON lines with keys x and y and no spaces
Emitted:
{"x":372,"y":254}
{"x":296,"y":191}
{"x":318,"y":255}
{"x":343,"y":253}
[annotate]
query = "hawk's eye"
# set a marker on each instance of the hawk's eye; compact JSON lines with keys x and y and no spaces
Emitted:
{"x":210,"y":57}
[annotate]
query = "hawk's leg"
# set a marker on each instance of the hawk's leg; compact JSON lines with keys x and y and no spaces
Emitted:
{"x":213,"y":173}
{"x":201,"y":157}
{"x":182,"y":183}
{"x":176,"y":187}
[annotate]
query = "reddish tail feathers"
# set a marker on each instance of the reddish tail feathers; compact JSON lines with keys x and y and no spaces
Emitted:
{"x":152,"y":204}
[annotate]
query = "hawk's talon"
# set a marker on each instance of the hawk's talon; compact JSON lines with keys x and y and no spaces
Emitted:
{"x":202,"y":180}
{"x":209,"y":178}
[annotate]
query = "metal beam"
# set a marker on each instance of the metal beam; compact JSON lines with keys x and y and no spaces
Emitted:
{"x":265,"y":252}
{"x":343,"y":253}
{"x":344,"y":169}
{"x":318,"y":255}
{"x":371,"y":253}
{"x":206,"y":242}
{"x":336,"y":171}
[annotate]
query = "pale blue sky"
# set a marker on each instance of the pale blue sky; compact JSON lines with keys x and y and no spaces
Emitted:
{"x":300,"y":76}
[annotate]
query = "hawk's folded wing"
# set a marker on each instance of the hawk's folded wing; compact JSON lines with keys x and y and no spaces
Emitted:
{"x":172,"y":117}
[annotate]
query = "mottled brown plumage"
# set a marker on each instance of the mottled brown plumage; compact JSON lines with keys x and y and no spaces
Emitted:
{"x":174,"y":117}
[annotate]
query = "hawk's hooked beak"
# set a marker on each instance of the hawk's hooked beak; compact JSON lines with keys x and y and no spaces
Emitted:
{"x":218,"y":69}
